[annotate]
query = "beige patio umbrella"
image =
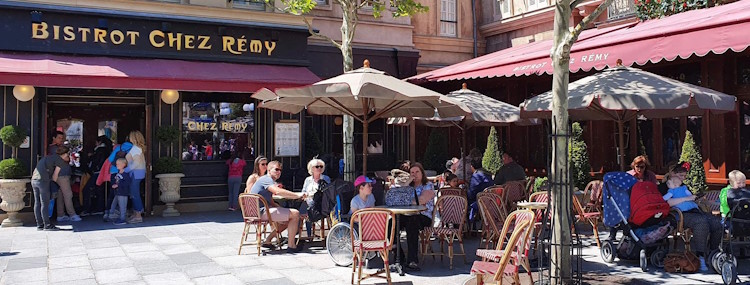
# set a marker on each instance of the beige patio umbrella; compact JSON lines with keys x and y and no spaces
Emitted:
{"x":366,"y":94}
{"x":622,"y":93}
{"x":485,"y":111}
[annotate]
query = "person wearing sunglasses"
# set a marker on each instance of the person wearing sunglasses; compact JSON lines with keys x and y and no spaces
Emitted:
{"x":640,"y":170}
{"x":259,"y":169}
{"x":316,"y":181}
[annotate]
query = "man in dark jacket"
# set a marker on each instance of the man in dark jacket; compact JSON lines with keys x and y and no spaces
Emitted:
{"x":511,"y":171}
{"x":93,"y":166}
{"x":480,"y":179}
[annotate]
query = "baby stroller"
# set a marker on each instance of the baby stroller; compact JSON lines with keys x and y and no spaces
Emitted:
{"x":636,"y":241}
{"x":334,"y":202}
{"x":737,"y":224}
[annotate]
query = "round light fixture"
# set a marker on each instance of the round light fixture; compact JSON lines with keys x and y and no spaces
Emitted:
{"x":23,"y":93}
{"x":170,"y":96}
{"x":248,"y":107}
{"x":338,"y":121}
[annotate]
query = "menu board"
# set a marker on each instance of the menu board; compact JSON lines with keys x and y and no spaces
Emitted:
{"x":286,"y":138}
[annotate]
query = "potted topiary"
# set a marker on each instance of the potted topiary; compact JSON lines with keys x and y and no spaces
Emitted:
{"x":12,"y":188}
{"x":169,"y":172}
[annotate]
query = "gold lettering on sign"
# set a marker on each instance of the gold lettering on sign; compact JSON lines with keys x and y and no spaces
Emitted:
{"x":133,"y":35}
{"x":152,"y":37}
{"x":270,"y":46}
{"x":99,"y":35}
{"x":175,"y":40}
{"x":39,"y":31}
{"x":204,"y":42}
{"x":84,"y":33}
{"x":70,"y":34}
{"x":256,"y":46}
{"x":116,"y":37}
{"x":56,"y":32}
{"x":189,"y":39}
{"x":227,"y":43}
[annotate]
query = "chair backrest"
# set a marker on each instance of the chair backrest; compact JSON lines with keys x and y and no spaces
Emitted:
{"x":452,"y":209}
{"x":515,"y":218}
{"x":577,"y":206}
{"x":373,"y":225}
{"x":451,"y":191}
{"x":514,"y":191}
{"x":492,"y":215}
{"x":520,"y":232}
{"x":497,"y":189}
{"x":250,"y":204}
{"x":495,"y":203}
{"x":593,"y":193}
{"x":530,"y":184}
{"x":711,"y":201}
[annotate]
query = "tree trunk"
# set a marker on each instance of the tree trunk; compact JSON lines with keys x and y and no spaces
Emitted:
{"x":348,"y":26}
{"x":560,"y":265}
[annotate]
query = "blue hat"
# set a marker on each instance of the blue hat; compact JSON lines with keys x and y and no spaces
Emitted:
{"x":362,"y":179}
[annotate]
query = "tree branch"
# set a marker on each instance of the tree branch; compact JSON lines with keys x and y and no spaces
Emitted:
{"x":575,"y":3}
{"x":318,"y":35}
{"x":575,"y":32}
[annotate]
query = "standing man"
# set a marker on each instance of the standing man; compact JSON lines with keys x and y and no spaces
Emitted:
{"x":58,"y":138}
{"x":288,"y":219}
{"x":511,"y":171}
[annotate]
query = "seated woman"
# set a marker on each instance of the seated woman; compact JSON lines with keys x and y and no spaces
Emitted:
{"x":640,"y":170}
{"x":316,"y":181}
{"x":706,"y":228}
{"x":425,"y":193}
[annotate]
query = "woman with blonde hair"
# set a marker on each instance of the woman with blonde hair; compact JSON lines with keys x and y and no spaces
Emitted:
{"x":137,"y":166}
{"x":312,"y":184}
{"x":259,"y":169}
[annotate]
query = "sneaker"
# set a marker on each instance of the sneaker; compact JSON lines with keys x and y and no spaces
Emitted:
{"x":119,"y":222}
{"x":63,"y":219}
{"x":75,"y":218}
{"x":704,"y":268}
{"x":232,"y":209}
{"x":135,"y":220}
{"x":297,"y":249}
{"x":97,"y":213}
{"x":40,"y":228}
{"x":84,"y":213}
{"x":51,"y":228}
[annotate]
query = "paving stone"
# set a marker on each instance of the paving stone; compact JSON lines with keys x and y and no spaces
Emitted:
{"x":189,"y":258}
{"x":172,"y":278}
{"x":148,"y":256}
{"x":133,"y":239}
{"x":68,"y":261}
{"x":24,"y":276}
{"x":97,"y":253}
{"x":111,"y":263}
{"x":157,"y":267}
{"x":26,"y":263}
{"x":31,"y":252}
{"x":254,"y":274}
{"x":304,"y":275}
{"x":278,"y":281}
{"x":203,"y":269}
{"x":139,"y":247}
{"x":282,"y":261}
{"x":67,"y":251}
{"x":69,"y":274}
{"x":91,"y":281}
{"x":237,"y":261}
{"x":117,"y":275}
{"x":102,"y":243}
{"x":227,"y":279}
{"x":168,"y":240}
{"x":219,"y":251}
{"x":178,"y":248}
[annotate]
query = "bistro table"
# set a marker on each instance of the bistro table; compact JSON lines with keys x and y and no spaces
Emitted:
{"x":407,"y":211}
{"x":532,"y":205}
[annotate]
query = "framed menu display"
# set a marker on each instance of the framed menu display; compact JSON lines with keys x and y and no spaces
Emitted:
{"x":286,"y":139}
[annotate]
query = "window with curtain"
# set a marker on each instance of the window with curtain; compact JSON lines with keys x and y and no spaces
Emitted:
{"x":502,"y":7}
{"x":537,"y":4}
{"x":259,"y":5}
{"x":448,"y":20}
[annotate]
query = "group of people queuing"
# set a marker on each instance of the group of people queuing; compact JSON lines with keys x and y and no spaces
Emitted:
{"x":123,"y":166}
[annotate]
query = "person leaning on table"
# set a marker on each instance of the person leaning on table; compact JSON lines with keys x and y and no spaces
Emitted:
{"x":46,"y":171}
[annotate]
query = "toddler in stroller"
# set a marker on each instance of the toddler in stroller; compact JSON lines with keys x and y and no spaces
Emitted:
{"x":735,"y":212}
{"x":636,"y":208}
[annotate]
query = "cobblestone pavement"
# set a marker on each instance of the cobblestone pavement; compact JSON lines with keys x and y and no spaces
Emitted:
{"x":201,"y":248}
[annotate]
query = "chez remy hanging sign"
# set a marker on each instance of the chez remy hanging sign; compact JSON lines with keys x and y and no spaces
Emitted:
{"x":58,"y":30}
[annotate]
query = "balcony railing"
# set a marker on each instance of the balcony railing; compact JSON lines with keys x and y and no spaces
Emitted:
{"x":620,"y":9}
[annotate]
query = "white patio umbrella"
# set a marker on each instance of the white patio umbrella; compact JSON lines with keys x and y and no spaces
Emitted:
{"x":366,"y":94}
{"x":622,"y":93}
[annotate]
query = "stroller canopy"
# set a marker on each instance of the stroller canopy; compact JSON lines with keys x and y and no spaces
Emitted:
{"x":617,"y":185}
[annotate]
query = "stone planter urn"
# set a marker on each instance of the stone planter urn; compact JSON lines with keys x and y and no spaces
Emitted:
{"x":12,"y":192}
{"x":169,"y":192}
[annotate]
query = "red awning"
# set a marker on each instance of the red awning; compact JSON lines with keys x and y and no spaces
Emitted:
{"x":695,"y":32}
{"x":48,"y":70}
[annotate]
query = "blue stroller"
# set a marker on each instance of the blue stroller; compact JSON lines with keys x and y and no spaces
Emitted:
{"x":636,"y":242}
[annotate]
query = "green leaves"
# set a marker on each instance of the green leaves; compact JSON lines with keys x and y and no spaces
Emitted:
{"x":12,"y":168}
{"x":12,"y":136}
{"x":654,"y":9}
{"x":492,"y":160}
{"x":398,"y":8}
{"x":298,"y":7}
{"x":168,"y":134}
{"x":579,"y":158}
{"x":696,"y":177}
{"x":436,"y":152}
{"x":167,"y":165}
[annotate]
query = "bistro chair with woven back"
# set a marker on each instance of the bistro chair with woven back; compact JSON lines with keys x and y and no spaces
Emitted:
{"x":252,"y":215}
{"x":493,"y":216}
{"x":452,"y":210}
{"x":376,"y":228}
{"x":520,"y":257}
{"x":487,"y":272}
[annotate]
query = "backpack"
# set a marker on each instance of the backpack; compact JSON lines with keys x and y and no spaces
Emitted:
{"x":646,"y":203}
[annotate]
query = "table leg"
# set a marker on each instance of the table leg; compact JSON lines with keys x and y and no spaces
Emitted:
{"x":397,"y":265}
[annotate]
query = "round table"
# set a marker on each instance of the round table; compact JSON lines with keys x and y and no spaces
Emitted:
{"x":407,"y":211}
{"x":532,"y":205}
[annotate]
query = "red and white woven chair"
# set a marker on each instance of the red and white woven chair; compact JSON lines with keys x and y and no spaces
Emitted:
{"x":250,"y":204}
{"x":591,"y":217}
{"x":493,"y":216}
{"x":376,"y":229}
{"x":521,"y":257}
{"x":508,"y":266}
{"x":514,"y":192}
{"x":452,"y":210}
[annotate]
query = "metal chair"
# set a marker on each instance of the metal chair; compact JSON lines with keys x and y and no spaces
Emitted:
{"x":376,"y":229}
{"x":508,"y":266}
{"x":452,"y":210}
{"x":250,"y":204}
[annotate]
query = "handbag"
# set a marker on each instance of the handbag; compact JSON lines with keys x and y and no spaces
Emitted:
{"x":682,"y":262}
{"x":400,"y":196}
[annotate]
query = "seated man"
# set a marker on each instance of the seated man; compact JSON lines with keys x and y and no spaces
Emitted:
{"x":510,"y":171}
{"x":480,"y":180}
{"x":288,"y":219}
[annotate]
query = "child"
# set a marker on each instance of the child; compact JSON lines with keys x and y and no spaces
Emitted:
{"x":451,"y":181}
{"x":733,"y":192}
{"x":364,"y":199}
{"x":121,"y":187}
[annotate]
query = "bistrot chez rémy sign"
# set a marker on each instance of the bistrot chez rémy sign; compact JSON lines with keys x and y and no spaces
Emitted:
{"x":54,"y":29}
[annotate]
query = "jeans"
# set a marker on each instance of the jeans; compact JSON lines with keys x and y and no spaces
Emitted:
{"x":91,"y":190}
{"x":135,"y":193}
{"x":120,"y":202}
{"x":41,"y":202}
{"x":65,"y":197}
{"x":234,"y":190}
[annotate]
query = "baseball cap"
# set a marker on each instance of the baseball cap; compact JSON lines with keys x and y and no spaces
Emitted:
{"x":362,"y":179}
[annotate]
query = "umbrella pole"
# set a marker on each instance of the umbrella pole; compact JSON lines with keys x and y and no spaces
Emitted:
{"x":365,"y":142}
{"x":621,"y":142}
{"x":463,"y":149}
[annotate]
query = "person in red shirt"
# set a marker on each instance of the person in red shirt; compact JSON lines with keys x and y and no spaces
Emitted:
{"x":236,"y":168}
{"x":209,"y":150}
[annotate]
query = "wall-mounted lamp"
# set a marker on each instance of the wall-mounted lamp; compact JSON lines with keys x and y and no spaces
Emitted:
{"x":24,"y":93}
{"x":170,"y":96}
{"x":338,"y":121}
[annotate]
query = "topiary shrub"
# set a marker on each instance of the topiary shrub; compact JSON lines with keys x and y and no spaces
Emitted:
{"x":436,"y":152}
{"x":579,"y":158}
{"x":313,"y":145}
{"x":12,"y":168}
{"x":167,"y":165}
{"x":168,"y":134}
{"x":696,"y":177}
{"x":13,"y":136}
{"x":492,"y":160}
